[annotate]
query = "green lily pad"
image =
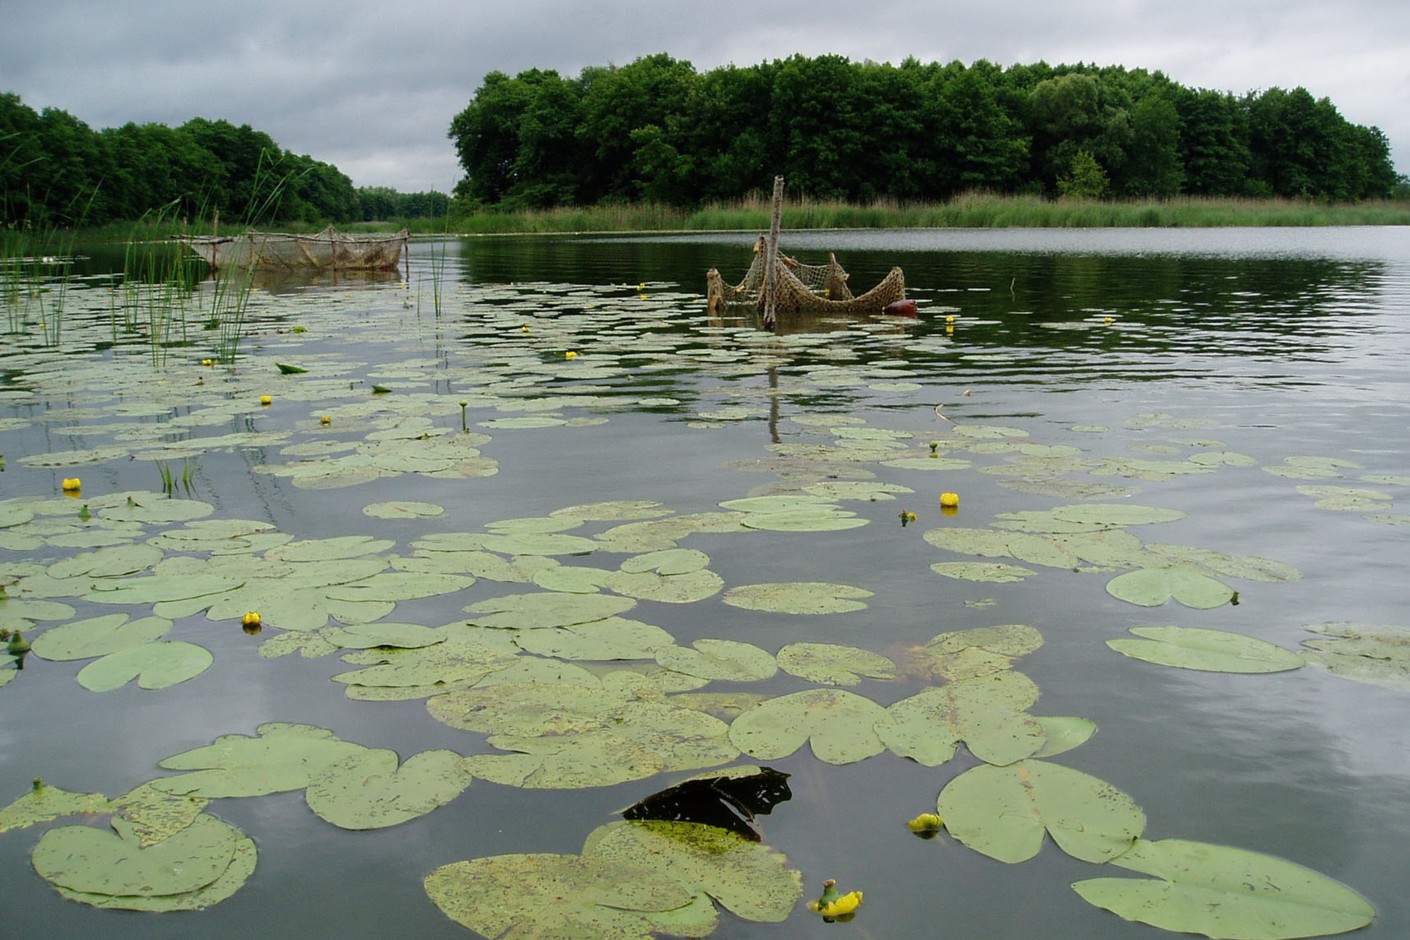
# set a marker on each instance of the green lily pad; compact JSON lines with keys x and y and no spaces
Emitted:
{"x":840,"y":725}
{"x":993,"y":572}
{"x":573,"y":579}
{"x":825,"y":518}
{"x":724,"y":660}
{"x":1151,"y":587}
{"x":546,"y":609}
{"x":466,"y":654}
{"x":358,"y":792}
{"x":284,"y":757}
{"x":402,"y":509}
{"x":980,"y":651}
{"x":747,"y":878}
{"x":95,"y":861}
{"x":611,"y":638}
{"x":1378,"y":655}
{"x":332,"y":549}
{"x":98,"y":636}
{"x":1224,"y":892}
{"x":156,"y":665}
{"x":46,"y":803}
{"x":685,"y":588}
{"x":1210,"y":650}
{"x":1002,"y":812}
{"x":671,"y":561}
{"x":363,"y":636}
{"x":988,"y":713}
{"x":543,"y":897}
{"x":594,"y":734}
{"x":798,"y":597}
{"x":833,"y":664}
{"x":1062,"y":734}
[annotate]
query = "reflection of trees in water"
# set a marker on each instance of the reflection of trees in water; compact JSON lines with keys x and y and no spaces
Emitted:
{"x":1289,"y":306}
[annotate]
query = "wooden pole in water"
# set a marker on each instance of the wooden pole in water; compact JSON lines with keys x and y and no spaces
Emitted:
{"x":771,"y":257}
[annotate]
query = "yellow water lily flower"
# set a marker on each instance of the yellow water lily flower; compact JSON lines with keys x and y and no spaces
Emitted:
{"x":71,"y":485}
{"x":950,"y":500}
{"x":833,"y":904}
{"x":265,"y":400}
{"x":207,"y":362}
{"x":251,"y":619}
{"x":925,"y":822}
{"x":325,"y":420}
{"x":570,"y":355}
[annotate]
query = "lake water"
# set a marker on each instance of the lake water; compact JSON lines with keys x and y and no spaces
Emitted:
{"x":1253,"y":380}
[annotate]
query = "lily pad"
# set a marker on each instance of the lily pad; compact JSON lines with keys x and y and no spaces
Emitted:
{"x":1225,"y":892}
{"x":543,"y":897}
{"x":358,"y":792}
{"x":798,"y":597}
{"x":1378,"y":655}
{"x":284,"y":757}
{"x":1209,"y":650}
{"x":1151,"y":587}
{"x":546,"y":609}
{"x":833,"y":664}
{"x":993,"y":572}
{"x":600,"y":640}
{"x":988,"y":713}
{"x":95,"y":861}
{"x":726,"y":660}
{"x":746,"y":877}
{"x":157,"y":665}
{"x":46,"y":803}
{"x":840,"y":725}
{"x":1002,"y":812}
{"x":98,"y":636}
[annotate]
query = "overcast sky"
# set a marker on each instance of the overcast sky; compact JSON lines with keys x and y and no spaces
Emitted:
{"x":372,"y":87}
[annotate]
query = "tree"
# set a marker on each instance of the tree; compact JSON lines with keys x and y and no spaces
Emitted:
{"x":1153,"y":166}
{"x":1084,"y":179}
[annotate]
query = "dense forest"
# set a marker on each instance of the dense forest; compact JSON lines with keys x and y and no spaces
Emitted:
{"x":56,"y":170}
{"x":658,"y":130}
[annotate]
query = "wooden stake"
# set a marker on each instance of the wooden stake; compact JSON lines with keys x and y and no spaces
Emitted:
{"x":771,"y":257}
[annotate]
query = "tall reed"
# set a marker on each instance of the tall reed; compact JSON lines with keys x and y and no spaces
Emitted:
{"x":968,"y":210}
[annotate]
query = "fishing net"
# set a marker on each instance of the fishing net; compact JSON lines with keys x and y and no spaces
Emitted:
{"x":326,"y":250}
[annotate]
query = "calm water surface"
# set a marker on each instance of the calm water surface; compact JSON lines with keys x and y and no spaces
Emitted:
{"x":1266,"y":343}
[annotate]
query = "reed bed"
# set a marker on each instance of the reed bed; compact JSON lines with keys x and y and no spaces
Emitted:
{"x":966,"y":211}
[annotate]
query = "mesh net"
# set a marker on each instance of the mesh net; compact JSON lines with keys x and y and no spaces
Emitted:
{"x":801,"y":287}
{"x":326,"y":250}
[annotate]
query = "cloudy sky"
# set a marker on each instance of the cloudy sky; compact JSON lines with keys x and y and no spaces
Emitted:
{"x":372,"y":88}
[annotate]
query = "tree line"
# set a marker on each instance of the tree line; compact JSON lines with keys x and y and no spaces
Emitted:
{"x":658,"y":130}
{"x":56,"y":170}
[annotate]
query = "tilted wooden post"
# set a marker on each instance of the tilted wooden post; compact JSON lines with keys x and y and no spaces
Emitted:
{"x":771,"y":257}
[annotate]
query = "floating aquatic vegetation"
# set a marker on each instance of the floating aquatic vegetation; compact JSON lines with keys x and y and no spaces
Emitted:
{"x":723,"y":660}
{"x":801,"y":597}
{"x":195,"y":867}
{"x":1378,"y":655}
{"x":988,"y":713}
{"x":839,"y":724}
{"x":1151,"y":587}
{"x":833,"y":664}
{"x":995,"y":573}
{"x":1219,"y":891}
{"x":1210,"y":650}
{"x":1003,"y":812}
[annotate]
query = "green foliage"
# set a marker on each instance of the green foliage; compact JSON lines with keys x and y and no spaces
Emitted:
{"x":657,"y":131}
{"x":56,"y":170}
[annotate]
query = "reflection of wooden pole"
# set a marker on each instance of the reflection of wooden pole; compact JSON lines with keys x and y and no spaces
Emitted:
{"x":771,"y":257}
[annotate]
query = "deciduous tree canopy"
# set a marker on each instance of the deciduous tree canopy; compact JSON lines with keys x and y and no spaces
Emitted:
{"x":56,"y":169}
{"x":658,"y":130}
